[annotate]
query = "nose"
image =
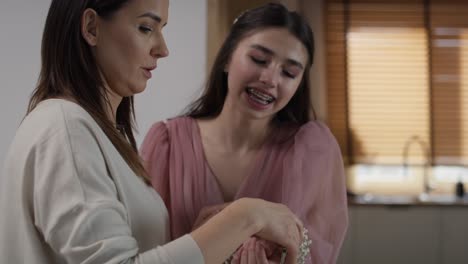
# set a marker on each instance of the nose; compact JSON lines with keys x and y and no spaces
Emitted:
{"x":269,"y":76}
{"x":159,"y":49}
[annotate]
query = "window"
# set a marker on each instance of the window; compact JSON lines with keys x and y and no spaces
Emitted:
{"x":397,"y":78}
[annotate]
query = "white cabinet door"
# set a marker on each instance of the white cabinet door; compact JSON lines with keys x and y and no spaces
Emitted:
{"x":455,"y":235}
{"x":396,"y":234}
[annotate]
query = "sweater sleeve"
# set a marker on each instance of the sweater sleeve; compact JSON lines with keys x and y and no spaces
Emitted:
{"x":316,"y":190}
{"x":77,"y":208}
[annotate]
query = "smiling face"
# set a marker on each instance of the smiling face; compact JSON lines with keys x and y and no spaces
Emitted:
{"x":128,"y":44}
{"x":264,"y":72}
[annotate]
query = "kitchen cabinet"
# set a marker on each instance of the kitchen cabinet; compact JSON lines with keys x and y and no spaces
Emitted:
{"x":406,"y":234}
{"x":454,"y":235}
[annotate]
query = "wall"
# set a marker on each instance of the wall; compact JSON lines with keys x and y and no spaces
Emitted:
{"x":176,"y":81}
{"x":313,"y":11}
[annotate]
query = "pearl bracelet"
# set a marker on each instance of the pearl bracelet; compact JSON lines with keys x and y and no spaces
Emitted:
{"x":304,"y":248}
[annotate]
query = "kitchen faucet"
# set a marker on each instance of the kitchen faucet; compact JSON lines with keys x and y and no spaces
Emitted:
{"x":415,"y":139}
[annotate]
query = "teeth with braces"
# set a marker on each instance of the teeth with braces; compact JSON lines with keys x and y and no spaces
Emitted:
{"x":261,"y":96}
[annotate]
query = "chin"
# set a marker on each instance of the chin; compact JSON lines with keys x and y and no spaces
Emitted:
{"x":256,"y":115}
{"x":137,"y":89}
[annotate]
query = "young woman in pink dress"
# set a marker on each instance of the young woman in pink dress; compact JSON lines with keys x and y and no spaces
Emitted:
{"x":250,"y":135}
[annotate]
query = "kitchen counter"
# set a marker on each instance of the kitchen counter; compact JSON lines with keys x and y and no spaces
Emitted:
{"x":407,"y":200}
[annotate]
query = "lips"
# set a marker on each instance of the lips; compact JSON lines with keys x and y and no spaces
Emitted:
{"x":147,"y":71}
{"x":260,"y":96}
{"x":150,"y":68}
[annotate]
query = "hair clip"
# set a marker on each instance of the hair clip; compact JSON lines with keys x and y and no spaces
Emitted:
{"x":240,"y":15}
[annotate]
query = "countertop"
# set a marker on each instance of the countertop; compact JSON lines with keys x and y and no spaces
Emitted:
{"x":407,"y":200}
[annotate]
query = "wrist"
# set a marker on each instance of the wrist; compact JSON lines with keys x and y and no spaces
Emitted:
{"x":249,"y":214}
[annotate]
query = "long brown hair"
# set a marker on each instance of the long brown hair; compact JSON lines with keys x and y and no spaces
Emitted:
{"x":68,"y":69}
{"x":271,"y":15}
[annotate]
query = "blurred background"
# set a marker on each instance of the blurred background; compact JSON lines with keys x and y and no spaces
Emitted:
{"x":390,"y":78}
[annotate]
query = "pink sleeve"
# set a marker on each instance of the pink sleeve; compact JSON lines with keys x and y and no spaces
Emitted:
{"x":316,"y":190}
{"x":155,"y":154}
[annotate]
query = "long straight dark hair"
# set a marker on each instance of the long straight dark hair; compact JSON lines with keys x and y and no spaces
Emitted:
{"x":69,"y":69}
{"x":271,"y":15}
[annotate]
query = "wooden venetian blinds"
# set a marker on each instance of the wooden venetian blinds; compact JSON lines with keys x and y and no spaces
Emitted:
{"x":398,"y":78}
{"x":449,"y":36}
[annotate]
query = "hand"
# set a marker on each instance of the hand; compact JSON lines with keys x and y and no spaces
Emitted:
{"x":246,"y":217}
{"x":257,"y":250}
{"x":206,"y":213}
{"x":277,"y":224}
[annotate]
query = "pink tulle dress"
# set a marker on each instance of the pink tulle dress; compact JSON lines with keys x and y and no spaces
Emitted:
{"x":301,"y":168}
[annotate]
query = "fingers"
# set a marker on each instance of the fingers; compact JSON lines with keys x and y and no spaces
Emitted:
{"x":291,"y":256}
{"x":239,"y":256}
{"x":268,"y":247}
{"x":291,"y":251}
{"x":283,"y":228}
{"x":251,"y":252}
{"x":260,"y":254}
{"x":243,"y":257}
{"x":299,"y":224}
{"x":236,"y":257}
{"x":247,"y":256}
{"x":292,"y":246}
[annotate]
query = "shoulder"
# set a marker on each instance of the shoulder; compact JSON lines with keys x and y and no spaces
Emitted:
{"x":58,"y":134}
{"x":57,"y":108}
{"x":159,"y":136}
{"x":157,"y":130}
{"x":58,"y":130}
{"x":314,"y":129}
{"x":55,"y":117}
{"x":166,"y":127}
{"x":315,"y":135}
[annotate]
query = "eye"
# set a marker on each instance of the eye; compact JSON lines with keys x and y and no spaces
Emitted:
{"x":258,"y":60}
{"x":145,"y":29}
{"x":289,"y":75}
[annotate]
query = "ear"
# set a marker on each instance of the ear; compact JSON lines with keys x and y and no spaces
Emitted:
{"x":89,"y":26}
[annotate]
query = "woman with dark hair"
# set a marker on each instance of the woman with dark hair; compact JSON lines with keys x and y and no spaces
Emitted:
{"x":74,"y":189}
{"x":250,"y":135}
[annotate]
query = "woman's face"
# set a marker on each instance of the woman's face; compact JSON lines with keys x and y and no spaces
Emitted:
{"x":264,"y":72}
{"x":129,"y":43}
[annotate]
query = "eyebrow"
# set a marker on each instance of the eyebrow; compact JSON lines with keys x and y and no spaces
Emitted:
{"x":271,"y":52}
{"x":152,"y":16}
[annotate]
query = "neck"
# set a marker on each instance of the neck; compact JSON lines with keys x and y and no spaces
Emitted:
{"x":112,"y":104}
{"x":236,"y":132}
